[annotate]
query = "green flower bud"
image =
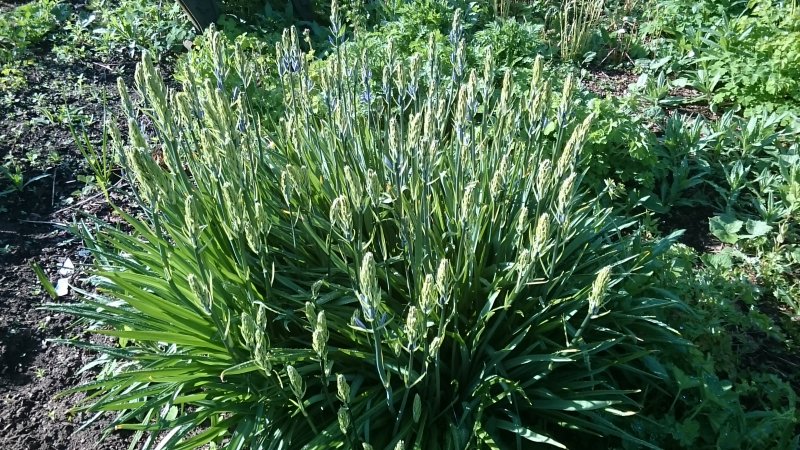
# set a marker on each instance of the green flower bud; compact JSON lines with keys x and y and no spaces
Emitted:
{"x":542,"y":233}
{"x":599,"y":288}
{"x":311,"y":314}
{"x":354,"y":188}
{"x":296,"y":382}
{"x":565,"y":193}
{"x":261,"y":354}
{"x":429,"y":297}
{"x":319,"y":340}
{"x":341,"y":217}
{"x":370,"y":295}
{"x":543,"y":178}
{"x":344,"y":419}
{"x":342,"y":389}
{"x":417,"y":409}
{"x":247,"y":327}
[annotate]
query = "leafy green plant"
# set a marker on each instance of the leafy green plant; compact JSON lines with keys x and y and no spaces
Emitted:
{"x":21,"y":30}
{"x":130,"y":27}
{"x":728,"y":229}
{"x":514,"y":44}
{"x":384,"y":266}
{"x":26,"y":26}
{"x":720,"y":399}
{"x":16,"y":179}
{"x":745,"y":53}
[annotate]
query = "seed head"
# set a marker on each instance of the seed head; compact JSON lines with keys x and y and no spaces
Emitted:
{"x":200,"y":292}
{"x":370,"y":293}
{"x":467,"y":202}
{"x":536,"y":72}
{"x":354,"y":187}
{"x":522,"y":222}
{"x":505,"y":92}
{"x":189,"y":216}
{"x":488,"y":67}
{"x":288,"y":184}
{"x":574,"y":145}
{"x":415,"y":324}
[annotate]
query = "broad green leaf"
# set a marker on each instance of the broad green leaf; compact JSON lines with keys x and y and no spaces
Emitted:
{"x":725,"y":228}
{"x":757,"y":228}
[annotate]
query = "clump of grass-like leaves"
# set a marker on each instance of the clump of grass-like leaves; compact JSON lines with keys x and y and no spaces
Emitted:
{"x":397,"y":262}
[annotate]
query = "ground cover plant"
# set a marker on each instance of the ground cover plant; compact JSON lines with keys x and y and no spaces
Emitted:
{"x":420,"y":224}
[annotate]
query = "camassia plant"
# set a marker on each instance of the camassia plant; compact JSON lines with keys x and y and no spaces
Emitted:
{"x":399,"y":261}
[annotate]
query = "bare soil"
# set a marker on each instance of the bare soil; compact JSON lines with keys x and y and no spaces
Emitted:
{"x":34,"y":370}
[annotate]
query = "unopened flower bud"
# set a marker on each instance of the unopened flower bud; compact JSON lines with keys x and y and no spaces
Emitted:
{"x":542,"y":233}
{"x":599,"y":289}
{"x":296,"y":382}
{"x":311,"y":315}
{"x":543,"y":177}
{"x":342,"y":389}
{"x":320,"y":336}
{"x":341,"y":217}
{"x":343,"y":415}
{"x":374,"y":187}
{"x":565,"y":194}
{"x":428,"y":295}
{"x":368,"y":284}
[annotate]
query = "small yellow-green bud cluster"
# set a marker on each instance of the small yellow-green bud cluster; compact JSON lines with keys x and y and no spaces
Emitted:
{"x":370,"y":293}
{"x":599,"y":289}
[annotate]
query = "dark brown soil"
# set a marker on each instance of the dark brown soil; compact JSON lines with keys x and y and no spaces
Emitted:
{"x":34,"y":370}
{"x":694,"y":221}
{"x":606,"y":82}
